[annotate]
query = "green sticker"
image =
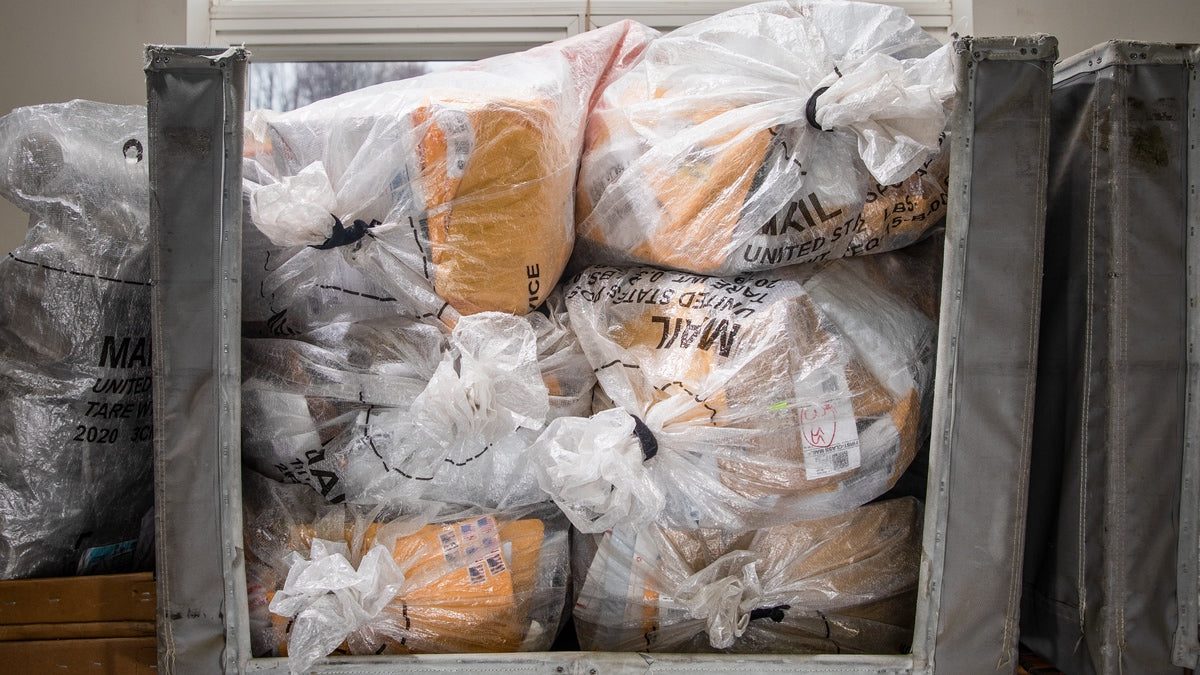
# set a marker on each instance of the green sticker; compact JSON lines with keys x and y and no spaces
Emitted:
{"x":778,"y":406}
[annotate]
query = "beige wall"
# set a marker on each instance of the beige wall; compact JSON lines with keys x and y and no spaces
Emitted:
{"x":1080,"y":24}
{"x":57,"y":50}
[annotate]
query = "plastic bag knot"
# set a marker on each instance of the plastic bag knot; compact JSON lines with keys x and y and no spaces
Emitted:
{"x":330,"y":598}
{"x":594,"y":469}
{"x":486,"y":387}
{"x":726,"y":595}
{"x":896,"y":109}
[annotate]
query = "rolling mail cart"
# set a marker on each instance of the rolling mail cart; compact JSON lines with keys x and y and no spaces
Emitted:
{"x":970,"y":575}
{"x":1111,"y":559}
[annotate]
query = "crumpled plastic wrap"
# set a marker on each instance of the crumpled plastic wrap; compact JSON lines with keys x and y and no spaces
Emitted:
{"x":75,"y":371}
{"x":451,"y":192}
{"x":769,"y":135}
{"x":743,"y":402}
{"x":347,"y":579}
{"x":843,"y":584}
{"x":393,"y":409}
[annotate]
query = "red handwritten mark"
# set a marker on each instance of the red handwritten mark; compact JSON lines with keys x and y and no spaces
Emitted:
{"x":820,"y":425}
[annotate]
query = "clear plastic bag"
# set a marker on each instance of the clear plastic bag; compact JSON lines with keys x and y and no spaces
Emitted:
{"x":772,"y":134}
{"x":392,"y":409}
{"x":377,"y":580}
{"x":75,"y":370}
{"x":743,"y":402}
{"x":289,"y":290}
{"x":452,"y":191}
{"x":843,"y":584}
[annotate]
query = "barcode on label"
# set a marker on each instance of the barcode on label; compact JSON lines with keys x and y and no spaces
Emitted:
{"x":831,"y":461}
{"x":830,"y":385}
{"x":460,"y":140}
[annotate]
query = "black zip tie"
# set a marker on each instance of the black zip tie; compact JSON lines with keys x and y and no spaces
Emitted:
{"x":343,"y":236}
{"x":645,"y":438}
{"x":810,"y":109}
{"x":775,"y":613}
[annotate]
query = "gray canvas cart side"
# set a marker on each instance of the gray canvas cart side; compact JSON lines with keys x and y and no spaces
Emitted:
{"x":971,"y":566}
{"x":194,"y":109}
{"x":1112,"y":548}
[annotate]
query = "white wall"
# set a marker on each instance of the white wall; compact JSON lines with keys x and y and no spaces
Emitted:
{"x":57,"y":50}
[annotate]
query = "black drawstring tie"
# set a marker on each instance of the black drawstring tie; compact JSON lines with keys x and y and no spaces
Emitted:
{"x":645,"y":437}
{"x":810,"y":109}
{"x":344,"y":236}
{"x":775,"y":613}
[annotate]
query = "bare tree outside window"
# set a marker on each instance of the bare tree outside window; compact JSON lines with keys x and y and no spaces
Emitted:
{"x":290,"y":85}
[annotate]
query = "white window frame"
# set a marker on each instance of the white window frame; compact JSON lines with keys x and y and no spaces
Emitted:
{"x":425,"y":30}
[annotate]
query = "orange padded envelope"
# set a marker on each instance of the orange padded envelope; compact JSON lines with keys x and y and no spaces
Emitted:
{"x":468,"y":587}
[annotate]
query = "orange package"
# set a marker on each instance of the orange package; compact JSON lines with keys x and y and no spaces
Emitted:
{"x":482,"y":584}
{"x":758,"y":138}
{"x":452,"y":191}
{"x":506,"y":190}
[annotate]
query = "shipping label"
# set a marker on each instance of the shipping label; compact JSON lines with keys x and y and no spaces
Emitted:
{"x":829,"y":430}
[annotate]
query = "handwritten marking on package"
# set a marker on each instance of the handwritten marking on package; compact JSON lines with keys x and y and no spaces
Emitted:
{"x":829,"y":436}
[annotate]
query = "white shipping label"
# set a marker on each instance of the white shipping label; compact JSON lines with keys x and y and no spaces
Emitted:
{"x":460,"y":140}
{"x":829,"y":432}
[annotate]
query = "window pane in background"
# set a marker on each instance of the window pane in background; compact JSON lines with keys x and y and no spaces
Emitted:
{"x":289,"y":85}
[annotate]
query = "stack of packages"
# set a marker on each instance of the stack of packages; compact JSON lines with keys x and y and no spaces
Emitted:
{"x":760,"y":384}
{"x":404,"y":345}
{"x":425,"y":406}
{"x":76,"y":492}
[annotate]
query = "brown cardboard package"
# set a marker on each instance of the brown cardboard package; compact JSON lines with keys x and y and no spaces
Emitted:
{"x":101,"y":624}
{"x":845,"y":584}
